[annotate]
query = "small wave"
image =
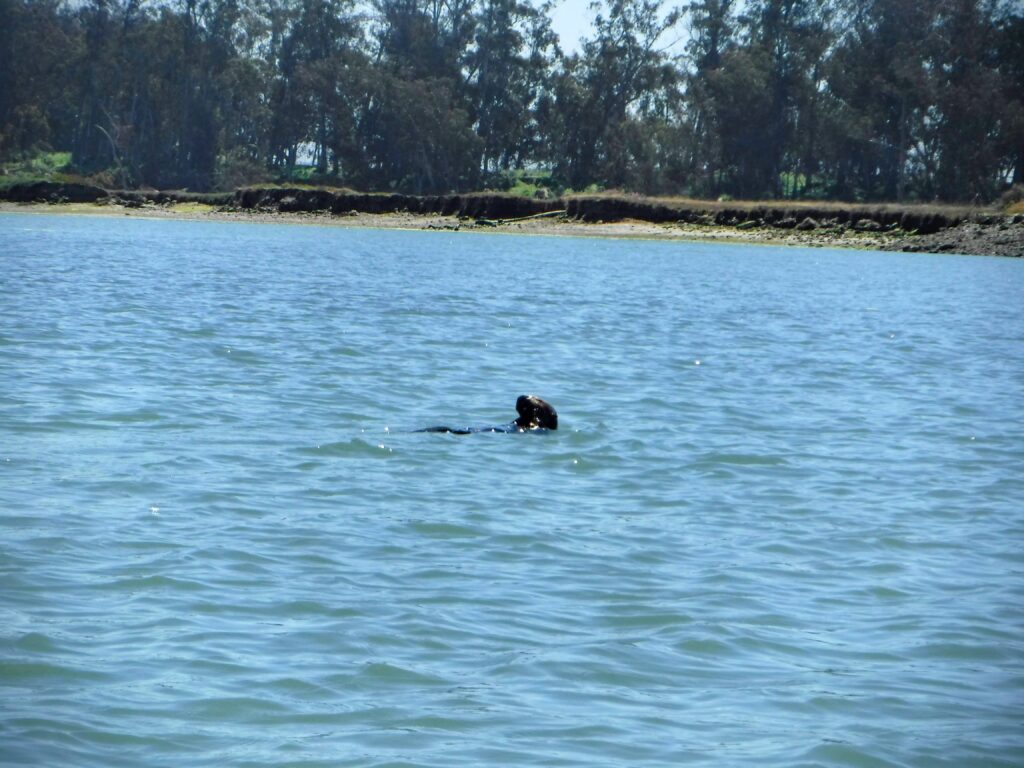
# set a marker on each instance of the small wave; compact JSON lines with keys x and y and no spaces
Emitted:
{"x":58,"y":425}
{"x":241,"y":708}
{"x":741,"y":459}
{"x":445,"y":530}
{"x":650,"y":621}
{"x":961,"y":652}
{"x":436,"y":723}
{"x":302,"y":608}
{"x":345,"y":351}
{"x":706,"y":646}
{"x":292,"y":687}
{"x":137,"y":416}
{"x":239,"y":356}
{"x":354,"y":448}
{"x":35,"y":672}
{"x":139,"y":583}
{"x":384,"y":673}
{"x":36,"y":642}
{"x":836,"y":753}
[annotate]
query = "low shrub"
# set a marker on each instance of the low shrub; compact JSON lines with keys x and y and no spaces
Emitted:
{"x":1012,"y":200}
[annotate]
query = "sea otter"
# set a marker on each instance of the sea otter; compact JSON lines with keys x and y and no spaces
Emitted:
{"x":534,"y":414}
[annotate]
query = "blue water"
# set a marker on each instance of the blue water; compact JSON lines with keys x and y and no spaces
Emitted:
{"x":781,"y":523}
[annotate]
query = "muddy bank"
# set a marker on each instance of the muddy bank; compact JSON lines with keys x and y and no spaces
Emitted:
{"x":780,"y":215}
{"x":71,"y":192}
{"x":342,"y":202}
{"x":52,"y":192}
{"x":801,"y":216}
{"x":931,"y":228}
{"x":923,"y":228}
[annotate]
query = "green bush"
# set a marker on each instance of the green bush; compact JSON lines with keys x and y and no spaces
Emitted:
{"x":44,"y":166}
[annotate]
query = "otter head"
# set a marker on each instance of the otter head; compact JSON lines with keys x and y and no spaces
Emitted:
{"x":535,"y":413}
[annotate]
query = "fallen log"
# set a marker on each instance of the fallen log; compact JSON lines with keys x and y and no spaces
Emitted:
{"x":499,"y":222}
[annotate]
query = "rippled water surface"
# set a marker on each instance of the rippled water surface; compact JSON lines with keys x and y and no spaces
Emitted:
{"x":782,"y":522}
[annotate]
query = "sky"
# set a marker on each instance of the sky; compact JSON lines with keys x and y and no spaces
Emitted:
{"x":571,"y":20}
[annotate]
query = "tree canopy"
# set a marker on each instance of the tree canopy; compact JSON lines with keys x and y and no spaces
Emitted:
{"x":850,"y":99}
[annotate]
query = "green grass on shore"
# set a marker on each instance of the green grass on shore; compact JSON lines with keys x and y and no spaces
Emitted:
{"x":46,"y":166}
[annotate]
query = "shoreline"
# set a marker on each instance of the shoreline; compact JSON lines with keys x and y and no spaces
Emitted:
{"x":1003,"y":238}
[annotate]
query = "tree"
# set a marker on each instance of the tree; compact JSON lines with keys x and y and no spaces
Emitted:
{"x":313,"y":97}
{"x":712,"y":36}
{"x":880,"y":84}
{"x":788,"y":39}
{"x":620,"y":79}
{"x":415,"y":128}
{"x":967,"y":116}
{"x":37,"y":46}
{"x":1010,"y":63}
{"x":860,"y":99}
{"x":507,"y":75}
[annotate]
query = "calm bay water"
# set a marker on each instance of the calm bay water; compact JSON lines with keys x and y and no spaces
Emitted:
{"x":781,"y":523}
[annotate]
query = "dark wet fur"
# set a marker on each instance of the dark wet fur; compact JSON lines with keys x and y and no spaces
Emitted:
{"x":535,"y":415}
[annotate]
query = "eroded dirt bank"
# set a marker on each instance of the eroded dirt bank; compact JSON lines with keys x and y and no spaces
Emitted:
{"x":952,"y":229}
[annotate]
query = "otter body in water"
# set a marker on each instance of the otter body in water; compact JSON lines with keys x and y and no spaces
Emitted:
{"x":534,"y":415}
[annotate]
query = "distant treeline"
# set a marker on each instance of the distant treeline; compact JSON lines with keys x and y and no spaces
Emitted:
{"x":849,"y":99}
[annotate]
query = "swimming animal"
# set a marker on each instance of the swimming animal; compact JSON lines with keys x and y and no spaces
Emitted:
{"x":534,"y":415}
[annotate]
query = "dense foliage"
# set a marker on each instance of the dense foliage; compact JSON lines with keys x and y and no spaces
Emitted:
{"x":853,"y":99}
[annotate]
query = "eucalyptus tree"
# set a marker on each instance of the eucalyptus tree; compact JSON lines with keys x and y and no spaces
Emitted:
{"x":507,"y":71}
{"x":1010,"y":62}
{"x":968,"y":114}
{"x":92,"y":145}
{"x":244,"y":92}
{"x":622,"y":78}
{"x":882,"y":86}
{"x":787,"y":41}
{"x":205,"y":50}
{"x":424,"y":38}
{"x":415,"y":128}
{"x":38,"y":45}
{"x":319,"y":62}
{"x":712,"y":37}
